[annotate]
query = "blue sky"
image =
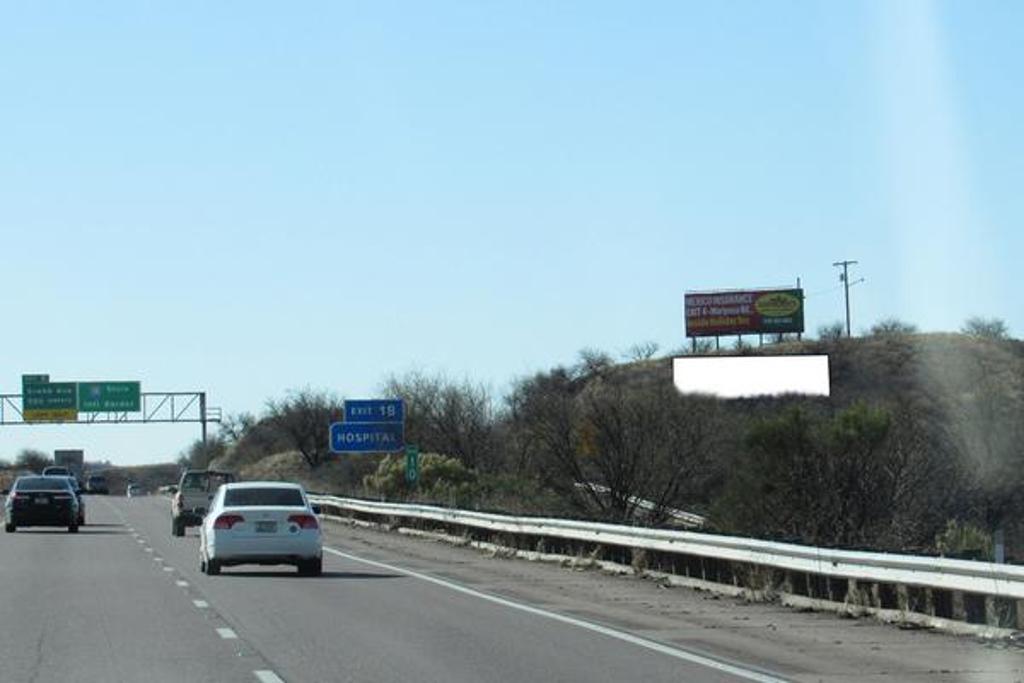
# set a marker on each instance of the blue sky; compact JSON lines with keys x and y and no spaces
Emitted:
{"x":249,"y":197}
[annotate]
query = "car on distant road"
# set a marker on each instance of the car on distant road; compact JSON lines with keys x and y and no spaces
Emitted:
{"x":79,"y":496}
{"x":41,"y":501}
{"x":262,"y":522}
{"x":57,"y":471}
{"x":133,"y":491}
{"x":97,"y":484}
{"x":195,"y":492}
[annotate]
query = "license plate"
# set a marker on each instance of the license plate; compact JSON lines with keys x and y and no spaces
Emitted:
{"x":266,"y":527}
{"x":42,"y":501}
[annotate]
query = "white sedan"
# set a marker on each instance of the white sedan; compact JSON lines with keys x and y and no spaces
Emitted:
{"x":261,"y":522}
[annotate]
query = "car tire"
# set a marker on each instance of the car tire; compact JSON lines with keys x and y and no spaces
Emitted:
{"x":177,"y":528}
{"x":212,"y":567}
{"x":72,"y":528}
{"x":10,"y":528}
{"x":314,"y":567}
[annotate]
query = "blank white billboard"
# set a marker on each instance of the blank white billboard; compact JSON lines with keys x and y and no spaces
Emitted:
{"x":749,"y":376}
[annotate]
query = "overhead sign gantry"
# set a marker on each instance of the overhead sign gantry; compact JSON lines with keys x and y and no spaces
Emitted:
{"x":44,"y":402}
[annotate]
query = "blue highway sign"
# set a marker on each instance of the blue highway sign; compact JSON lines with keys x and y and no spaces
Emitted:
{"x":390,"y":410}
{"x":387,"y":437}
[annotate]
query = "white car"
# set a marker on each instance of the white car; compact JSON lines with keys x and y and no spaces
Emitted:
{"x":261,"y":522}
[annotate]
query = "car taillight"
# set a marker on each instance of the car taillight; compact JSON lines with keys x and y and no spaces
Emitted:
{"x":304,"y":521}
{"x":227,"y":521}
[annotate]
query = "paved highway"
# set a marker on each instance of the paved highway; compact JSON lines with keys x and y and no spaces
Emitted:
{"x":124,"y":601}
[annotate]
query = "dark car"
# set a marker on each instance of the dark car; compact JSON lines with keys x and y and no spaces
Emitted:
{"x":79,"y":496}
{"x":97,"y":483}
{"x":41,"y":501}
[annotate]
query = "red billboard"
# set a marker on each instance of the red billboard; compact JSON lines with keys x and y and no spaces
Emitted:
{"x":761,"y":311}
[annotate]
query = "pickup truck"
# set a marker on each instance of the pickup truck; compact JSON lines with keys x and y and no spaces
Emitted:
{"x":195,"y":491}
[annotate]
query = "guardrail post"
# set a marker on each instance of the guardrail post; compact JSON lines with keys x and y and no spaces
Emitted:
{"x":991,"y":616}
{"x":929,"y":602}
{"x":874,"y":599}
{"x":959,"y":609}
{"x":902,"y":598}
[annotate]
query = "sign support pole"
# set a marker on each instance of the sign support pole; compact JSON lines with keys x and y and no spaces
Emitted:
{"x":202,"y":413}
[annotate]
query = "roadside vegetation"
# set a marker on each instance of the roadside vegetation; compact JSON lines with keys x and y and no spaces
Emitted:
{"x":920,"y":448}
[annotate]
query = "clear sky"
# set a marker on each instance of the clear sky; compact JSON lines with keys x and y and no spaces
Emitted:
{"x":246,"y":197}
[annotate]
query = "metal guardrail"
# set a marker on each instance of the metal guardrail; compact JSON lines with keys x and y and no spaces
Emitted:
{"x":688,"y":520}
{"x":952,"y":578}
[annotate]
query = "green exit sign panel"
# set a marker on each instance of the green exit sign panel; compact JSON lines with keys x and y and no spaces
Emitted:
{"x":48,"y":395}
{"x":109,"y":397}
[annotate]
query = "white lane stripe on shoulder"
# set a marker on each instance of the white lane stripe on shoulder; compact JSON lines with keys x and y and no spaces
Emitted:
{"x":265,"y":676}
{"x":737,"y":670}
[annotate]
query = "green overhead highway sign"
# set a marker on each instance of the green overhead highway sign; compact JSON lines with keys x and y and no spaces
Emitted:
{"x":49,"y":401}
{"x":109,"y":397}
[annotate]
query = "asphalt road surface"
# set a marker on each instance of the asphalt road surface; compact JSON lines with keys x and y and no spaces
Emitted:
{"x":123,"y":600}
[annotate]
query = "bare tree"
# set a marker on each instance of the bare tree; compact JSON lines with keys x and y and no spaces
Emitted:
{"x":832,"y":331}
{"x":303,"y":420}
{"x":644,"y":444}
{"x":594,"y":362}
{"x":642,"y":351}
{"x":892,"y":327}
{"x":32,"y":459}
{"x":986,"y":328}
{"x":235,"y":426}
{"x":448,"y":417}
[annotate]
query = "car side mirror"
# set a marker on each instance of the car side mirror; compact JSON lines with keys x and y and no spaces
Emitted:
{"x":316,"y":509}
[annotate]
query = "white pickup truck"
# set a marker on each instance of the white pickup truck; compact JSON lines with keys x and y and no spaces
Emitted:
{"x":195,"y":492}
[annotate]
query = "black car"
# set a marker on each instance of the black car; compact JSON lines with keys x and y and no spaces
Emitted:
{"x":79,"y":496}
{"x":41,"y":501}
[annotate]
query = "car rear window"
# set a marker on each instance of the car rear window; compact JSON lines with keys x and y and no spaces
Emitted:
{"x":205,"y":481}
{"x":266,"y":496}
{"x":42,"y":484}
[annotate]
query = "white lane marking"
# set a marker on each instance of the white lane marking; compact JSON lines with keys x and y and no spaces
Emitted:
{"x":148,"y":550}
{"x":201,"y":604}
{"x":692,"y":657}
{"x":227,"y":634}
{"x":264,"y":676}
{"x":168,"y":569}
{"x":158,"y":559}
{"x":183,"y":584}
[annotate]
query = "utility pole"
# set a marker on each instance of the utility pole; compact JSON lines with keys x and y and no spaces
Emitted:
{"x":844,"y":277}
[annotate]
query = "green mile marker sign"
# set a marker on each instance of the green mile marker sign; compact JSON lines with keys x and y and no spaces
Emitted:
{"x":412,"y":464}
